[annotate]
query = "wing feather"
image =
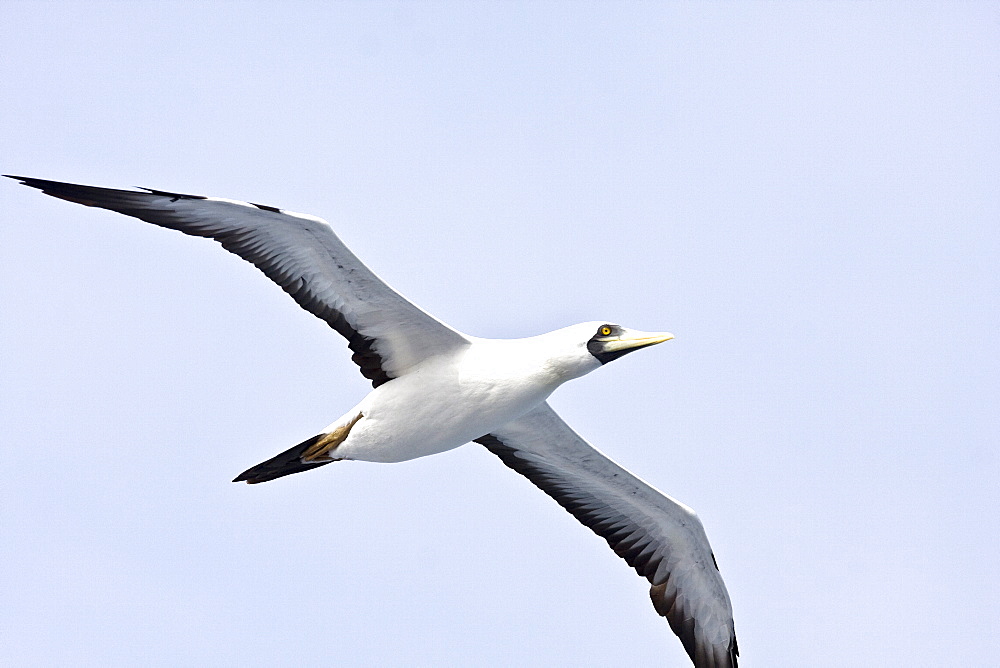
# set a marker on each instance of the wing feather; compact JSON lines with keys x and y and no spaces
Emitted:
{"x":661,"y":538}
{"x":386,"y":333}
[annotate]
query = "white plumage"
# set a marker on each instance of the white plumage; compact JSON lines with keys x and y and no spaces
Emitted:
{"x":436,"y":389}
{"x":462,"y":393}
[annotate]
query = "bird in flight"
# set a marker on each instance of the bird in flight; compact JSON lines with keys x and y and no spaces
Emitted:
{"x":436,"y":388}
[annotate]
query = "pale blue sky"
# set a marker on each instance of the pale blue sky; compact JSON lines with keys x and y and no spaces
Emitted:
{"x":806,"y":194}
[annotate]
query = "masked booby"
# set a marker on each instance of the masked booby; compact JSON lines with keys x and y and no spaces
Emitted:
{"x":436,"y":388}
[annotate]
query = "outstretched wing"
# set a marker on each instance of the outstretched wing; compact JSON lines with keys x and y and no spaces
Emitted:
{"x":659,"y":537}
{"x":387,"y":333}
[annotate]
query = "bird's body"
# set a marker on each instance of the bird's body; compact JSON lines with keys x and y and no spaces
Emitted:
{"x":436,"y":389}
{"x":458,"y":396}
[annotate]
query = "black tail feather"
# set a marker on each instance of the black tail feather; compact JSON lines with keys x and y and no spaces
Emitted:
{"x":287,"y":463}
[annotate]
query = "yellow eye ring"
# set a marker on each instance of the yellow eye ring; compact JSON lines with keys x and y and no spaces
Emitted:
{"x":605,"y":331}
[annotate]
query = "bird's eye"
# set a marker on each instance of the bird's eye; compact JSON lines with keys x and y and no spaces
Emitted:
{"x":605,"y":331}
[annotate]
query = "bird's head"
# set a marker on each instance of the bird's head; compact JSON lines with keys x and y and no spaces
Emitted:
{"x":579,"y":349}
{"x":609,"y":342}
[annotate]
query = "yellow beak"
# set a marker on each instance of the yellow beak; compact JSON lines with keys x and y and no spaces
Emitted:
{"x":631,"y":340}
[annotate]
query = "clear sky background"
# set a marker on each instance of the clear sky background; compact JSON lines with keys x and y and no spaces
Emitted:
{"x":806,"y":194}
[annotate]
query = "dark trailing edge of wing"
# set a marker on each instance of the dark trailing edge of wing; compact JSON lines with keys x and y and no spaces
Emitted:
{"x":630,"y":545}
{"x":130,"y":203}
{"x":151,"y":191}
{"x":286,"y":463}
{"x":265,"y":207}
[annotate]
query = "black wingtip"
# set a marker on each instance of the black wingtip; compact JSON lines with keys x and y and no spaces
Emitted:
{"x":69,"y":190}
{"x":286,"y":463}
{"x":72,"y":192}
{"x":41,"y":184}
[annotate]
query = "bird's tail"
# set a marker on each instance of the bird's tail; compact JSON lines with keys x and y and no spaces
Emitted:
{"x":288,"y":462}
